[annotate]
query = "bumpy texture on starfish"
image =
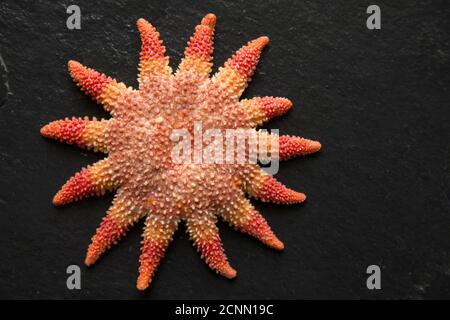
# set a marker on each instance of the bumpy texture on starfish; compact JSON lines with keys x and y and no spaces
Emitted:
{"x":149,"y":184}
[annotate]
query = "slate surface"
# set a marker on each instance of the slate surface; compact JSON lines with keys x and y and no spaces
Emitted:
{"x":378,"y":192}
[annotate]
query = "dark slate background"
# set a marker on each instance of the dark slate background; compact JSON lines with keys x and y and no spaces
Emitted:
{"x":378,"y":192}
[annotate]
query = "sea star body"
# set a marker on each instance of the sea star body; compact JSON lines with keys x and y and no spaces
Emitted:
{"x":139,"y":163}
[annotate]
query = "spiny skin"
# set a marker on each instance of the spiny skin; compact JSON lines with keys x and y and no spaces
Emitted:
{"x":139,"y":165}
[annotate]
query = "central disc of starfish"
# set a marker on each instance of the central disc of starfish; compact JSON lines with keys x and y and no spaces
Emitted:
{"x":139,"y":142}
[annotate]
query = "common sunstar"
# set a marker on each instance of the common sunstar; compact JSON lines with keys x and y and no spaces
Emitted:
{"x":139,"y":165}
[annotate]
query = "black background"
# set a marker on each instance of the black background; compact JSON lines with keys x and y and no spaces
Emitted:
{"x":378,"y":192}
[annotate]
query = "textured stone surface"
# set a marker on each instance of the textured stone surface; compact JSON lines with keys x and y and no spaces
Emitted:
{"x":378,"y":192}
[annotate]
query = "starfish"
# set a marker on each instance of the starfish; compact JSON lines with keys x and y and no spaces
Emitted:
{"x":139,"y":165}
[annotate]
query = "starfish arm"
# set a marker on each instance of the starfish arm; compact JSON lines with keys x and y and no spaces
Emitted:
{"x":92,"y":180}
{"x":241,"y":215}
{"x":292,"y":146}
{"x":153,"y":61}
{"x":158,"y":233}
{"x":198,"y":54}
{"x":238,"y":70}
{"x":120,"y":217}
{"x":203,"y":231}
{"x":85,"y":133}
{"x":266,"y":188}
{"x":103,"y":89}
{"x":286,"y":146}
{"x":262,"y":109}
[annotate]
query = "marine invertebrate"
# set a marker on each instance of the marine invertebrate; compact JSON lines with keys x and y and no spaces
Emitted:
{"x":140,"y":166}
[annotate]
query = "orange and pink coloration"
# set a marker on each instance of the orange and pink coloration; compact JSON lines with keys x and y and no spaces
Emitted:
{"x":139,"y":166}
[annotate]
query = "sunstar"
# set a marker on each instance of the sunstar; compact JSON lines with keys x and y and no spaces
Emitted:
{"x":139,"y":165}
